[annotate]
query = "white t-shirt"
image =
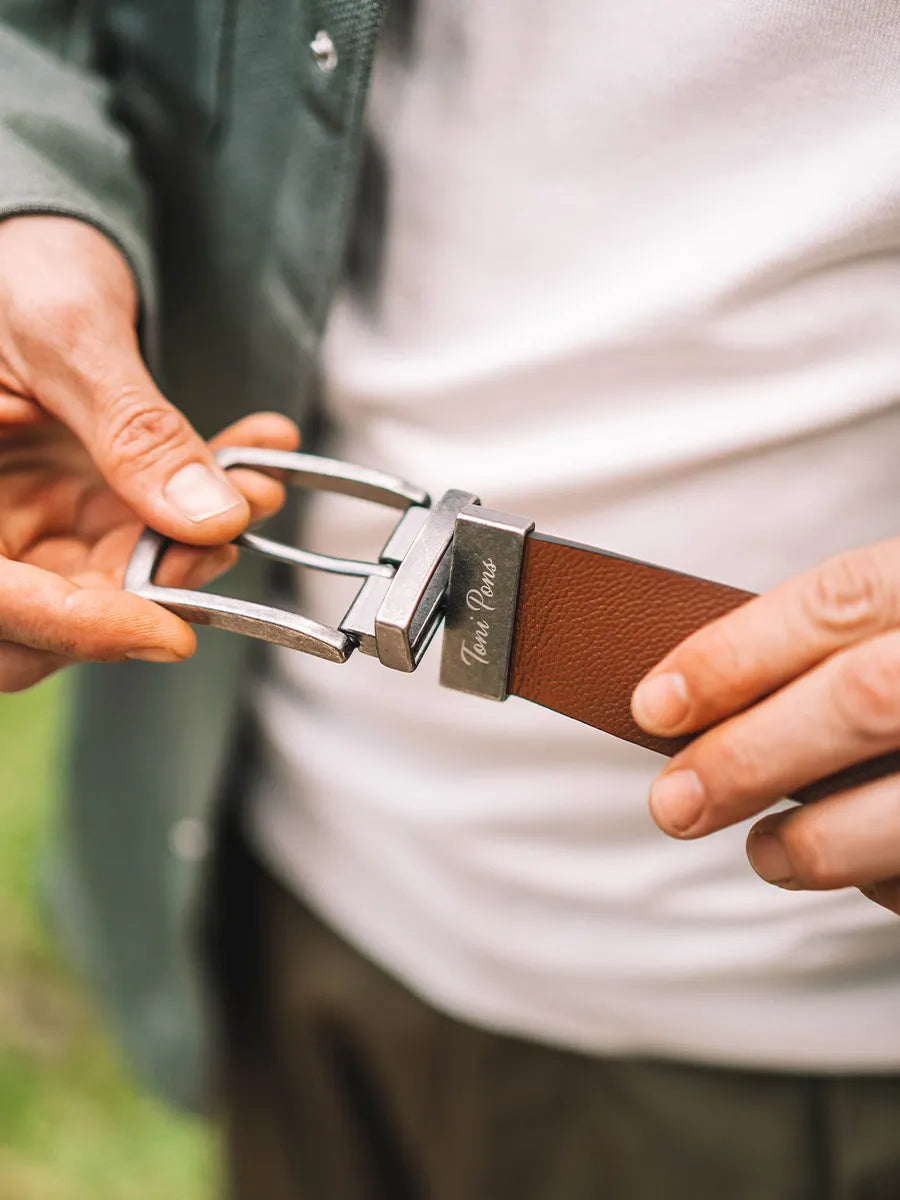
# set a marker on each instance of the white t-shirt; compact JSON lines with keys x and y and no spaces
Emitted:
{"x":638,"y":277}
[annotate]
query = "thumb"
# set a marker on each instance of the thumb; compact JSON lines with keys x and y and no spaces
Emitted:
{"x":147,"y":450}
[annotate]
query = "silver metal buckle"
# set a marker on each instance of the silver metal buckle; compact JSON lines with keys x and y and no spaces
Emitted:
{"x":400,"y":603}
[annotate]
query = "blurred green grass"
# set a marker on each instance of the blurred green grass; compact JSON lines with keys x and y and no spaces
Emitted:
{"x":73,"y":1126}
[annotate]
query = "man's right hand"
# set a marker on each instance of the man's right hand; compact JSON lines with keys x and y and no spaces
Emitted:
{"x":90,"y":451}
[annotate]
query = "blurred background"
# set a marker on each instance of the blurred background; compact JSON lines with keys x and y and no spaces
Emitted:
{"x":73,"y":1124}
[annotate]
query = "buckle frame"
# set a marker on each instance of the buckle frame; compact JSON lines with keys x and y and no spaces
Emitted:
{"x":400,"y":603}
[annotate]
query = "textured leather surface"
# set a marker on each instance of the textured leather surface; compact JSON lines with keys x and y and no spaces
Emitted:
{"x":591,"y":624}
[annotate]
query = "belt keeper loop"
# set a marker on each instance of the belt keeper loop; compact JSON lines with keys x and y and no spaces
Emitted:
{"x":482,"y":596}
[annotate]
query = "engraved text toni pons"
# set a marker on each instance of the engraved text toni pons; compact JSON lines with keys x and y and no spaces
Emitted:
{"x":479,"y":602}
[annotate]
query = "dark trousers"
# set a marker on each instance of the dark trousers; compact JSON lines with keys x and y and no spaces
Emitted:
{"x":340,"y":1084}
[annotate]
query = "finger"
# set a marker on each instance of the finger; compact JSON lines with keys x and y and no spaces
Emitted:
{"x":62,"y":555}
{"x":184,"y":567}
{"x":19,"y":411}
{"x":263,"y":492}
{"x":101,"y":510}
{"x":70,"y":343}
{"x":850,"y":840}
{"x":21,"y":667}
{"x":886,"y":893}
{"x":181,"y":567}
{"x":771,"y":639}
{"x":107,"y":532}
{"x":844,"y":711}
{"x":45,"y":612}
{"x":270,"y":429}
{"x":264,"y":495}
{"x":142,"y":445}
{"x":42,"y":498}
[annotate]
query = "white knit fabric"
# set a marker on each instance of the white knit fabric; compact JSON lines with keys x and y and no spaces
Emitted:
{"x":641,"y":280}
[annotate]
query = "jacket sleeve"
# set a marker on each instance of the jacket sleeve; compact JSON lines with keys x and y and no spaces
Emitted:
{"x":60,"y":151}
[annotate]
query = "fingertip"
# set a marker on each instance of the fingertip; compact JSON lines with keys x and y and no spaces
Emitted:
{"x":678,"y":802}
{"x":207,"y":506}
{"x":174,"y":634}
{"x":221,"y":564}
{"x":770,"y":860}
{"x":110,"y":625}
{"x":20,"y":411}
{"x":170,"y":646}
{"x":153,"y":654}
{"x":272,"y":430}
{"x":279,"y":430}
{"x":264,"y":494}
{"x":771,"y":823}
{"x":209,"y":566}
{"x":660,"y":703}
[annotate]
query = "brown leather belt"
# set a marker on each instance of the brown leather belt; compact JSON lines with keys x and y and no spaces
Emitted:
{"x":567,"y":626}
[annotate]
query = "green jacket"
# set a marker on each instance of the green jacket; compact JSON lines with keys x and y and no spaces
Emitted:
{"x":205,"y":137}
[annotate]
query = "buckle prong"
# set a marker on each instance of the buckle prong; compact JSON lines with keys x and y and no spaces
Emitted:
{"x":294,"y":556}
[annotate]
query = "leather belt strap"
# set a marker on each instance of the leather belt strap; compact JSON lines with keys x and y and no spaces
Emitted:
{"x":566,"y":626}
{"x":590,"y":625}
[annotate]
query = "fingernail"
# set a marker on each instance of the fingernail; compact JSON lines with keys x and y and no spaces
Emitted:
{"x":769,"y":860}
{"x":677,"y":800}
{"x":199,"y":493}
{"x":154,"y":654}
{"x":661,"y":702}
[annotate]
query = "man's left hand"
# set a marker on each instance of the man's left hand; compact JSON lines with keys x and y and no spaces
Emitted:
{"x":797,"y":683}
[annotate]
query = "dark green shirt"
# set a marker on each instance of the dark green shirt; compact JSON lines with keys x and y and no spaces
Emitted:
{"x":203,"y":136}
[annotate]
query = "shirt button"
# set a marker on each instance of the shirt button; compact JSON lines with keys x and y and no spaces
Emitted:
{"x":324,"y":52}
{"x":189,"y":839}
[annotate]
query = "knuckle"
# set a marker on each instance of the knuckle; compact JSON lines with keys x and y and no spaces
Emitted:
{"x":741,"y":766}
{"x":845,"y":594}
{"x":140,"y":432}
{"x":867,"y":693}
{"x":714,"y":660}
{"x":723,"y":650}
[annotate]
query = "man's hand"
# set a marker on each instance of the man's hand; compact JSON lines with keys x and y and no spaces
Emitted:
{"x":792,"y":686}
{"x":89,"y":453}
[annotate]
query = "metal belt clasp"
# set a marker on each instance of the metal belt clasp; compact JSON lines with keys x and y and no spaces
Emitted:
{"x":401,"y":601}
